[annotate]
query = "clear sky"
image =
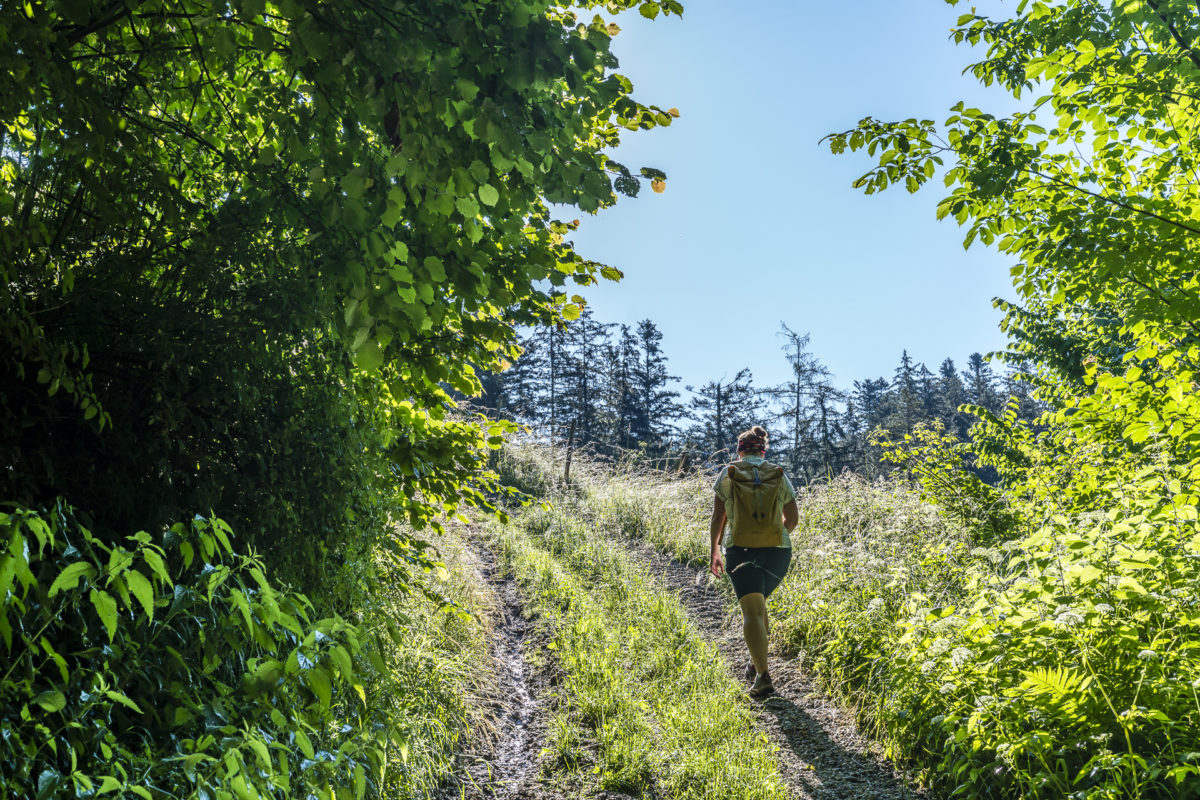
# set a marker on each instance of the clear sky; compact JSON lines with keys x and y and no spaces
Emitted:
{"x":759,"y":223}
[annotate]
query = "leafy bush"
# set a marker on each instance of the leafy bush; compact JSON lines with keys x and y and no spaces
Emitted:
{"x":170,"y":669}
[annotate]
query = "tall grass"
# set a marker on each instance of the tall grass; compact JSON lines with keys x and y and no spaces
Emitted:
{"x":433,"y":667}
{"x":646,"y":706}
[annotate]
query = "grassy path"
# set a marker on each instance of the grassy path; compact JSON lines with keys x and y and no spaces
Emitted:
{"x":639,"y":704}
{"x":617,"y":677}
{"x":821,"y":754}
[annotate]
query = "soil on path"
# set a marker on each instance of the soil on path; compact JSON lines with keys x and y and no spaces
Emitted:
{"x":821,"y":754}
{"x":503,"y":763}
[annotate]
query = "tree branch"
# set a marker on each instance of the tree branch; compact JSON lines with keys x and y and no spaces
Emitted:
{"x":1187,"y":48}
{"x":1115,"y":202}
{"x":121,"y":11}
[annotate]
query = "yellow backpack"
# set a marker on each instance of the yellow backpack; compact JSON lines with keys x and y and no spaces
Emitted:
{"x":754,"y":490}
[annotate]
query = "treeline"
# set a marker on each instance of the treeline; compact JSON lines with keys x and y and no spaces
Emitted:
{"x":608,"y":387}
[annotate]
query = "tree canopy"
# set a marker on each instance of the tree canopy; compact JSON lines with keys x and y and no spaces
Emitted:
{"x":236,"y":234}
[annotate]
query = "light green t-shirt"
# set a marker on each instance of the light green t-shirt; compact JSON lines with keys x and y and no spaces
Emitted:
{"x":721,"y":487}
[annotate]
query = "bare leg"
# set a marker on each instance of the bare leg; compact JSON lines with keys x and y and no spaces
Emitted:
{"x":754,"y":628}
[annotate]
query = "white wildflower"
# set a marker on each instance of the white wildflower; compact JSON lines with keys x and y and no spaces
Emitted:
{"x":947,"y":688}
{"x":929,"y":665}
{"x":938,"y":647}
{"x":875,"y":604}
{"x":1068,"y":619}
{"x":1147,"y":655}
{"x":960,"y":656}
{"x":1103,"y":608}
{"x":984,"y":700}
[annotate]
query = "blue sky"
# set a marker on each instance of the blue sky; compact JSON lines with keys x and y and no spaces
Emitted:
{"x":759,"y":223}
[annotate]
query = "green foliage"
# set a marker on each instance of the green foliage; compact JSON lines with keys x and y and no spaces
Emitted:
{"x":937,"y":460}
{"x":171,"y":668}
{"x":249,"y":249}
{"x":1070,"y":664}
{"x":1069,"y":670}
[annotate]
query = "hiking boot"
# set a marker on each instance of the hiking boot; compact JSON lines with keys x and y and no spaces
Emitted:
{"x":762,"y":685}
{"x":751,"y":673}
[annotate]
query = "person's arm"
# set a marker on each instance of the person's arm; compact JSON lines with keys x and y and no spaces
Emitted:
{"x":716,"y":525}
{"x":791,"y":515}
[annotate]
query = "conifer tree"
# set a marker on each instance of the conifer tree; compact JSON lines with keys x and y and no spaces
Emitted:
{"x":908,"y":399}
{"x":657,"y":406}
{"x":795,"y":399}
{"x":720,"y":410}
{"x":829,"y":434}
{"x":951,"y":394}
{"x":980,"y":384}
{"x":620,"y":392}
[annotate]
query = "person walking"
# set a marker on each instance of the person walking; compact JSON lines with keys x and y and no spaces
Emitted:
{"x":754,"y":511}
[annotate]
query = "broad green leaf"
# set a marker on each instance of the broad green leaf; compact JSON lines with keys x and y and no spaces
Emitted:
{"x":467,"y":206}
{"x":341,"y":658}
{"x":51,"y":701}
{"x":108,"y":784}
{"x":70,"y":576}
{"x":106,"y":607}
{"x":369,"y":357}
{"x":139,"y":587}
{"x":303,"y":742}
{"x":152,"y":558}
{"x":488,"y":195}
{"x":318,"y":681}
{"x":113,"y":694}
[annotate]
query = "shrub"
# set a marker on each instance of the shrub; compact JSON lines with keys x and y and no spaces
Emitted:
{"x":170,"y":669}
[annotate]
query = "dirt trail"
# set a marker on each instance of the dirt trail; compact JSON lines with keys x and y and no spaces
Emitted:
{"x":821,"y":754}
{"x":504,"y":764}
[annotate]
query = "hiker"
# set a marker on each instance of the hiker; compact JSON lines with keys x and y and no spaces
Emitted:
{"x":759,"y":504}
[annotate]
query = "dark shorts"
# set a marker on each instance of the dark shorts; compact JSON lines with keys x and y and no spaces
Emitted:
{"x":756,"y":569}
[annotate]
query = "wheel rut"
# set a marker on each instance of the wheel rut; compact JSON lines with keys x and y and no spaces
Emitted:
{"x":822,"y":756}
{"x":503,"y":762}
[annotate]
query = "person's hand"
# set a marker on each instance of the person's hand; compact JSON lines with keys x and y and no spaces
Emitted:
{"x":717,"y":564}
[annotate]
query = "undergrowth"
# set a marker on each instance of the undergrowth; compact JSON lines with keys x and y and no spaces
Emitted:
{"x":172,"y":666}
{"x":1060,"y":662}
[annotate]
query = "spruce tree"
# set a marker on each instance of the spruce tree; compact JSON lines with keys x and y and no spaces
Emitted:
{"x":908,"y":400}
{"x":620,"y":391}
{"x":584,"y":341}
{"x":656,"y":405}
{"x":720,"y":410}
{"x":952,"y":394}
{"x":980,"y":383}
